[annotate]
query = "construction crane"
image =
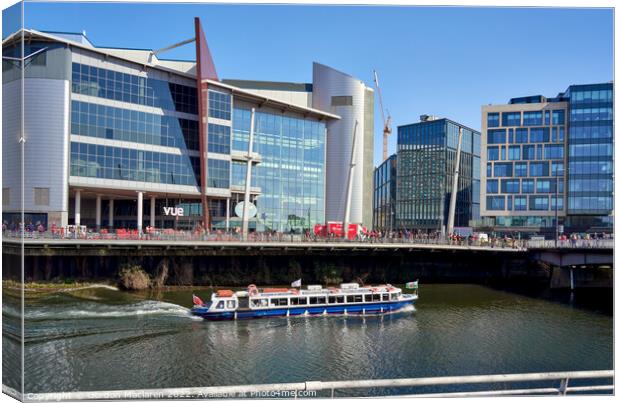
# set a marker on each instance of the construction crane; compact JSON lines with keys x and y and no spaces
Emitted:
{"x":386,"y":122}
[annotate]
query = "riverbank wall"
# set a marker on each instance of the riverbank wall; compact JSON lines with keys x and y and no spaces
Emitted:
{"x":271,"y":264}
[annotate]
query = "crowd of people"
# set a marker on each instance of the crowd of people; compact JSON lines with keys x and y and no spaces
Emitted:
{"x":38,"y":230}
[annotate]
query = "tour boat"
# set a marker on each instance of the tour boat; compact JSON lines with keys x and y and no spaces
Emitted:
{"x":348,"y":299}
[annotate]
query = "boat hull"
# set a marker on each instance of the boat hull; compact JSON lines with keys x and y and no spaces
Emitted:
{"x":343,"y":309}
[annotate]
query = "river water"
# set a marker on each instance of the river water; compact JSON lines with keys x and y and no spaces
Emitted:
{"x":101,"y":339}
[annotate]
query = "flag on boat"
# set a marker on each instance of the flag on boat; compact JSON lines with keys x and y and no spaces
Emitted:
{"x":412,"y":285}
{"x":196,"y":300}
{"x":296,"y":283}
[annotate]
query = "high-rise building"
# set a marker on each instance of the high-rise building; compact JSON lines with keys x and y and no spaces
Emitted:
{"x":426,"y":159}
{"x":549,"y":157}
{"x":120,"y":137}
{"x":384,"y":203}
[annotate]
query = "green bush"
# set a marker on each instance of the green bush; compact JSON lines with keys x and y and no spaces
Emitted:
{"x":133,"y":277}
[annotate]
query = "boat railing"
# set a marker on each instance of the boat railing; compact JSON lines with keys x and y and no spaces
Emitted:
{"x":524,"y":384}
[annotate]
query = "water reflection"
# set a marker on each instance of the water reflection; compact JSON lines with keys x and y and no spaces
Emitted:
{"x":112,"y":340}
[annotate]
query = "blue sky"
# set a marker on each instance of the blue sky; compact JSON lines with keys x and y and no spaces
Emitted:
{"x":440,"y":61}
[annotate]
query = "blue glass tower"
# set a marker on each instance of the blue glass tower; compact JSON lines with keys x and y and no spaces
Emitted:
{"x":590,"y":154}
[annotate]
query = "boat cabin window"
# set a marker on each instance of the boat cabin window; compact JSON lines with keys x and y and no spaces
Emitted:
{"x":367,"y":298}
{"x":231,"y":304}
{"x":279,"y":301}
{"x":303,"y":301}
{"x":393,"y":296}
{"x":357,"y":298}
{"x":376,"y":297}
{"x":385,"y":297}
{"x":321,"y":300}
{"x":340,"y":299}
{"x":331,"y":300}
{"x":220,"y":305}
{"x":313,"y":300}
{"x":258,"y":302}
{"x":350,"y":298}
{"x":294,"y":301}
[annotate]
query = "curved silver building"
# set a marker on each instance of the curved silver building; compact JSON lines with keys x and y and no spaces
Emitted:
{"x":349,"y":98}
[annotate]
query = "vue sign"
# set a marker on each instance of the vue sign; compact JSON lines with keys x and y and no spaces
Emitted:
{"x":174,"y":211}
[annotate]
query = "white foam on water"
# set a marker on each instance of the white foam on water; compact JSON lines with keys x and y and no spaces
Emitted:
{"x":91,"y":310}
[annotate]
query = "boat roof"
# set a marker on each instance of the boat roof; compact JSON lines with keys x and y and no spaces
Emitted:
{"x":330,"y":290}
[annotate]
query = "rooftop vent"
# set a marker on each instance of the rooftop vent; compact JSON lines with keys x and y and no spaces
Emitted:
{"x":427,"y":118}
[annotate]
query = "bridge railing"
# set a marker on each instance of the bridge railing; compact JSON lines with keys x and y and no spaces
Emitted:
{"x":571,"y":243}
{"x":528,"y":384}
{"x":262,"y":237}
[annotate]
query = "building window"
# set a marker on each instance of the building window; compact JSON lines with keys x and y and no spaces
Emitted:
{"x":520,"y":135}
{"x":539,"y":168}
{"x":492,"y":186}
{"x":99,"y":161}
{"x":547,"y":118}
{"x":42,"y":196}
{"x":527,"y":186}
{"x":493,"y":119}
{"x":557,"y":168}
{"x":496,"y":203}
{"x":219,"y":105}
{"x":95,"y":120}
{"x":558,"y":117}
{"x":532,"y":118}
{"x":342,"y":100}
{"x":544,"y":186}
{"x":114,"y":85}
{"x":511,"y":119}
{"x":554,"y":152}
{"x":520,"y":203}
{"x":539,"y":135}
{"x":496,"y":136}
{"x":539,"y":203}
{"x":502,"y":169}
{"x":493,"y":153}
{"x":529,"y":152}
{"x":219,"y":174}
{"x":557,"y":203}
{"x":219,"y":139}
{"x":520,"y":169}
{"x":514,"y":153}
{"x":510,"y":186}
{"x":6,"y":196}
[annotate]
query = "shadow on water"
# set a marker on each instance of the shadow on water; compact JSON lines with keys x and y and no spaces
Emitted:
{"x":598,"y":300}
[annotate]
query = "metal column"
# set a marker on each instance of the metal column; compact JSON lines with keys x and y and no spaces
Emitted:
{"x":228,"y":214}
{"x":111,"y":214}
{"x":248,"y":179}
{"x":347,"y":206}
{"x":455,"y":184}
{"x":140,"y":200}
{"x":98,"y":213}
{"x":152,"y":221}
{"x":78,"y":206}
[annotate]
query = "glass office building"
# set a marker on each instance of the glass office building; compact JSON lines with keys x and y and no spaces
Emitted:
{"x":114,"y":138}
{"x":291,"y":174}
{"x":384,"y":195}
{"x":426,"y":155}
{"x":590,"y":157}
{"x":549,"y":162}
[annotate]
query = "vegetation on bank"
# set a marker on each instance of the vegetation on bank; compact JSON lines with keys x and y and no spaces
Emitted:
{"x":133,"y":278}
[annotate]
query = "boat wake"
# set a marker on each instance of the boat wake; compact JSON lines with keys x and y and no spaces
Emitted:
{"x":103,"y":311}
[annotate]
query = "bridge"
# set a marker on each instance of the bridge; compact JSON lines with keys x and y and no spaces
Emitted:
{"x":586,"y":263}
